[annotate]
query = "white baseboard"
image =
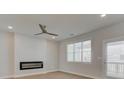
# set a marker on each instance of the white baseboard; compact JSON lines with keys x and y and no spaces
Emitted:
{"x":50,"y":71}
{"x":7,"y":77}
{"x":23,"y":75}
{"x":31,"y":74}
{"x":81,"y":74}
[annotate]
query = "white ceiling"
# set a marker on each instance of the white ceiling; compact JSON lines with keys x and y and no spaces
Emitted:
{"x":62,"y":24}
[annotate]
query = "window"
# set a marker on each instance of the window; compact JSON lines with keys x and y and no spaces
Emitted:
{"x":70,"y":52}
{"x":115,"y":59}
{"x":79,"y":52}
{"x":115,"y":51}
{"x":87,"y":51}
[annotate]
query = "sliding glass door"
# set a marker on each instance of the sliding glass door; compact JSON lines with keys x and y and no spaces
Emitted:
{"x":114,"y":59}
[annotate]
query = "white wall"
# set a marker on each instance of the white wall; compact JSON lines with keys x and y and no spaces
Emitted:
{"x":95,"y":69}
{"x":28,"y":48}
{"x":52,"y":56}
{"x":6,"y":54}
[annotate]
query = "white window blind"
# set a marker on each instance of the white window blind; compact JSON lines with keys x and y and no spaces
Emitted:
{"x":70,"y":52}
{"x":87,"y":51}
{"x":79,"y":52}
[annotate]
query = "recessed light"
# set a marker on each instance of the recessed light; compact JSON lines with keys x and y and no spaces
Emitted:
{"x":103,"y":15}
{"x":10,"y":27}
{"x":53,"y":37}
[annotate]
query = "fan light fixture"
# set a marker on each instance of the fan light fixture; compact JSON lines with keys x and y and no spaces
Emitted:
{"x":44,"y":31}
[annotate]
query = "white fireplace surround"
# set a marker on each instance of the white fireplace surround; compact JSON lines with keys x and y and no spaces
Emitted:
{"x":15,"y":48}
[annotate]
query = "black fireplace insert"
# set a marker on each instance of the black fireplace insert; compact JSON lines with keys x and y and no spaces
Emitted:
{"x":31,"y":65}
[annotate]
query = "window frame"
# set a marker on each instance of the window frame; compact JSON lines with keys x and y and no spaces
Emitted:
{"x":81,"y":52}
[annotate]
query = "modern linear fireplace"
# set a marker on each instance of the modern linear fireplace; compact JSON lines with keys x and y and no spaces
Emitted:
{"x":31,"y":65}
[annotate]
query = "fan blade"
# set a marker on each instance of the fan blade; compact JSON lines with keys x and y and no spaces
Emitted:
{"x":52,"y":34}
{"x":38,"y":34}
{"x":42,"y":28}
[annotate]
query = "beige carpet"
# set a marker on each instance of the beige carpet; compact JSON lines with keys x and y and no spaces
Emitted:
{"x":54,"y":75}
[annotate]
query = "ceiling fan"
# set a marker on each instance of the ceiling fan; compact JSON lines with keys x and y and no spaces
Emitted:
{"x":44,"y":31}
